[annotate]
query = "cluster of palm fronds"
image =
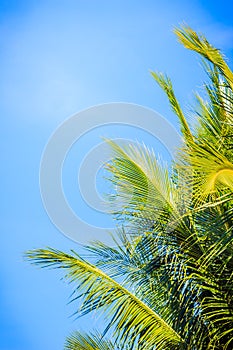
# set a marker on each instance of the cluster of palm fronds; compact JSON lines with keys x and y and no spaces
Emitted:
{"x":168,"y":284}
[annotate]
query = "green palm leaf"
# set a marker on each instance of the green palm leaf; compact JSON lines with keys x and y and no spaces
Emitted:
{"x":167,"y":284}
{"x":144,"y":187}
{"x":134,"y":321}
{"x":166,"y":84}
{"x":83,"y":341}
{"x":191,"y":40}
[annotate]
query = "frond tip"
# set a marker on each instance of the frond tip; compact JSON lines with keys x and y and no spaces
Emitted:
{"x":192,"y":41}
{"x":166,"y":84}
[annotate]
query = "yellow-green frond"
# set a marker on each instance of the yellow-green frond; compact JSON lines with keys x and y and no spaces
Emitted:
{"x":134,"y":320}
{"x":83,"y":341}
{"x":166,"y":84}
{"x":191,"y":40}
{"x":143,"y":185}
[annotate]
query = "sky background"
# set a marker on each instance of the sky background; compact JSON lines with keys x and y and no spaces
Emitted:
{"x":57,"y":58}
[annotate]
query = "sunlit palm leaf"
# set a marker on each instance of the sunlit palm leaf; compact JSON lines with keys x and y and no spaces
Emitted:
{"x":144,"y":187}
{"x":134,"y":321}
{"x":166,"y":84}
{"x":191,"y":40}
{"x":83,"y":341}
{"x":168,"y":283}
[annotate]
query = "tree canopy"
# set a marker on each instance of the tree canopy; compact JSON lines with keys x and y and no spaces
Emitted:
{"x":168,"y":282}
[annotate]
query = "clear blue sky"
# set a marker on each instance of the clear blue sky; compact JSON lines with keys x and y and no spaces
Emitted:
{"x":58,"y":57}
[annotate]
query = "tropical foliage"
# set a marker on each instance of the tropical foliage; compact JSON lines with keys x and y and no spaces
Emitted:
{"x":168,"y":282}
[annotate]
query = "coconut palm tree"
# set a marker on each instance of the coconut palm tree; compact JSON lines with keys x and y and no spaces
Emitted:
{"x":168,"y":282}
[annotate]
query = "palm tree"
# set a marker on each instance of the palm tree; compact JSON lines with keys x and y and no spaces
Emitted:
{"x":168,"y":283}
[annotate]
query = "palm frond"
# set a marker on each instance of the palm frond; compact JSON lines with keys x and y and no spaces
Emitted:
{"x":92,"y":341}
{"x":212,"y":171}
{"x":191,"y":40}
{"x":166,"y":84}
{"x":134,"y":321}
{"x":167,"y":283}
{"x":156,"y":273}
{"x":143,"y":185}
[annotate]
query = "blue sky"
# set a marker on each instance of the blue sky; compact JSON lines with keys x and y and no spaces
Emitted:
{"x":57,"y":58}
